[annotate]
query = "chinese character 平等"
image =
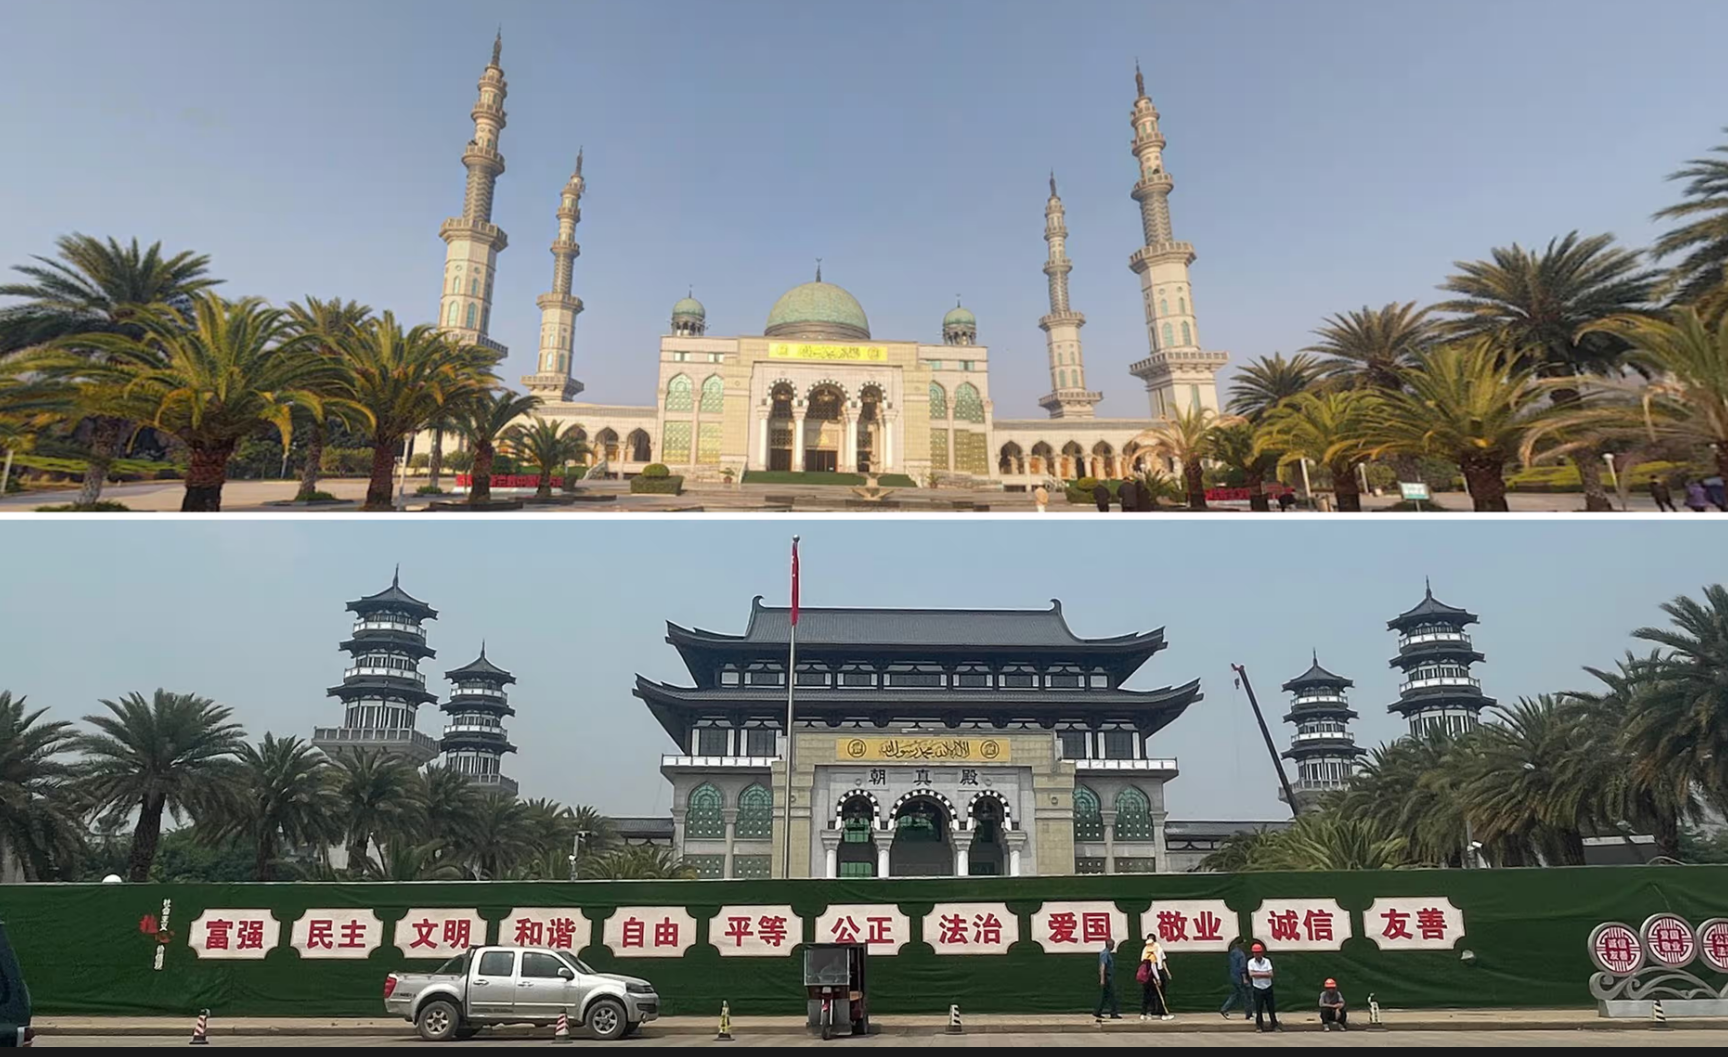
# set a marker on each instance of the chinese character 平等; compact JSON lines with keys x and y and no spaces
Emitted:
{"x":738,"y":930}
{"x":771,"y":929}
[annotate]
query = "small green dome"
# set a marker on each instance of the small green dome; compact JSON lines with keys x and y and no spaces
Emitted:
{"x":818,"y":310}
{"x":689,"y":306}
{"x":959,"y":317}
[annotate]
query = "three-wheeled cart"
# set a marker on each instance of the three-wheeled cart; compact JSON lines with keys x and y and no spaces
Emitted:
{"x":834,"y":987}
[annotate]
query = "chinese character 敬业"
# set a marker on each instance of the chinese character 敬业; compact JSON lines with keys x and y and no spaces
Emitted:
{"x":1208,"y":926}
{"x":1172,"y":926}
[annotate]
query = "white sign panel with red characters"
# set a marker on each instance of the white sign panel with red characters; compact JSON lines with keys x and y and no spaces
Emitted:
{"x":1079,"y":927}
{"x":1413,"y":923}
{"x":755,"y":931}
{"x":337,"y":934}
{"x":560,"y":928}
{"x":1191,"y":924}
{"x":439,"y":932}
{"x":1301,"y":924}
{"x":1669,"y":939}
{"x":234,"y":934}
{"x":649,"y":932}
{"x":1713,"y":943}
{"x":882,"y":929}
{"x":971,"y":928}
{"x":1615,"y":949}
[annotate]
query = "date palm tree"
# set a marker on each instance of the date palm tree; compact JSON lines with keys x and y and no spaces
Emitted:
{"x":1680,"y":730}
{"x":1236,"y":446}
{"x":550,"y":446}
{"x":373,"y":802}
{"x":1263,"y":383}
{"x":279,"y":798}
{"x":96,"y":287}
{"x":481,"y":421}
{"x":1333,"y":429}
{"x":1542,"y":304}
{"x":402,"y":381}
{"x":1468,"y":403}
{"x":39,"y":826}
{"x":1699,"y":277}
{"x":1184,"y":437}
{"x":329,"y":324}
{"x":1529,"y":783}
{"x":1369,"y":348}
{"x":641,"y":862}
{"x":1638,"y":794}
{"x":450,"y":801}
{"x":171,"y":753}
{"x":502,"y":838}
{"x":401,"y":861}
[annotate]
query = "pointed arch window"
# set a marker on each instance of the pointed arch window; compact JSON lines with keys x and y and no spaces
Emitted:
{"x":1088,"y":820}
{"x":471,"y":314}
{"x":755,"y":814}
{"x":968,"y":404}
{"x":1133,"y":815}
{"x":704,"y":820}
{"x":473,"y":286}
{"x":1187,"y":334}
{"x":713,"y":394}
{"x":1169,"y":335}
{"x":450,"y":318}
{"x":1182,"y":305}
{"x":938,"y":401}
{"x":1163,"y":307}
{"x":679,"y":394}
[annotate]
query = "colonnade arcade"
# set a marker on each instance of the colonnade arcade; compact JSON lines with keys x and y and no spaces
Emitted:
{"x":1073,"y":461}
{"x":922,"y":834}
{"x":825,"y":428}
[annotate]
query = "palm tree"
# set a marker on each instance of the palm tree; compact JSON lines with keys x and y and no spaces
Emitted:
{"x":374,"y":802}
{"x":451,"y":802}
{"x":401,"y":861}
{"x":1466,"y":403}
{"x":1235,"y":446}
{"x":1413,"y":787}
{"x":1262,"y":384}
{"x":39,"y":826}
{"x":1543,"y":305}
{"x":641,"y":862}
{"x":401,"y":380}
{"x":279,"y":798}
{"x":1679,"y":732}
{"x":1700,"y":278}
{"x":481,"y":420}
{"x":502,"y":839}
{"x":1529,"y":784}
{"x":1370,"y":347}
{"x":1184,"y":437}
{"x":549,"y":446}
{"x":1329,"y":841}
{"x":1332,"y":429}
{"x":96,"y":287}
{"x":1238,"y":851}
{"x":328,"y":324}
{"x":1627,"y":790}
{"x":171,"y":753}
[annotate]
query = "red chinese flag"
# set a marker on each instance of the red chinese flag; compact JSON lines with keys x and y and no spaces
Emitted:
{"x":794,"y":581}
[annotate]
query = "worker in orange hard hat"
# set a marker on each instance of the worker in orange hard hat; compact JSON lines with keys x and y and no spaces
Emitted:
{"x":1332,"y":1007}
{"x":1260,"y":979}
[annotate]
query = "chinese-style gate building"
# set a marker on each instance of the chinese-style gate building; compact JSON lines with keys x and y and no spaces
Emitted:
{"x":927,"y":743}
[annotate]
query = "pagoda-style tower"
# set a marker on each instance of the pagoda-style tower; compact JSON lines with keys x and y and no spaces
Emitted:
{"x":382,"y":687}
{"x":1323,"y":749}
{"x":559,"y":309}
{"x":473,"y":241}
{"x":474,"y":739}
{"x":1068,"y":397}
{"x":1179,"y":376}
{"x":1435,"y":655}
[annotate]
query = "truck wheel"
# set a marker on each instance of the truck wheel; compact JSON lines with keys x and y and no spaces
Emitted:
{"x":607,"y":1021}
{"x":438,"y":1020}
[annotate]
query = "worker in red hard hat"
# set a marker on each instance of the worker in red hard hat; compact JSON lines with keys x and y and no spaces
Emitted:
{"x":1260,"y":979}
{"x":1332,"y":1007}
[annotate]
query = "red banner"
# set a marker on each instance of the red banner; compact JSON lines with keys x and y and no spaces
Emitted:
{"x":508,"y":480}
{"x":1242,"y":495}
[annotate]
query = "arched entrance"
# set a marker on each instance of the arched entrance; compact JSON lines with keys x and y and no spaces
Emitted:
{"x":1073,"y":461}
{"x":856,"y":856}
{"x":1103,"y":460}
{"x":824,"y":431}
{"x":1043,"y":460}
{"x":922,"y":846}
{"x":1011,"y":463}
{"x":989,"y":854}
{"x":780,"y":426}
{"x":869,"y":428}
{"x":606,"y":444}
{"x":637,"y":445}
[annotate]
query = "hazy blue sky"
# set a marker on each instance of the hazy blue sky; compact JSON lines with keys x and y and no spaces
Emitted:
{"x":1327,"y":153}
{"x":250,"y":613}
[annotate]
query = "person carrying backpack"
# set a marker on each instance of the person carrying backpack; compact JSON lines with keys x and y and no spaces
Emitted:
{"x":1154,"y":976}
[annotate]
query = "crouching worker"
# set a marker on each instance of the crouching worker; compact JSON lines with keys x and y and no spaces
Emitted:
{"x":1332,"y":1007}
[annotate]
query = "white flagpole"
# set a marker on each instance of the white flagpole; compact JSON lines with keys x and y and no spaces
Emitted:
{"x":791,"y":682}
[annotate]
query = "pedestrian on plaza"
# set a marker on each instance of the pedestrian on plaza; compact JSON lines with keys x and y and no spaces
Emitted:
{"x":1716,"y":492}
{"x":1106,"y":984}
{"x":1660,"y":493}
{"x":1101,"y":496}
{"x":1695,"y":500}
{"x":1148,"y":502}
{"x":1154,"y":976}
{"x":1286,"y":500}
{"x":1265,"y":1002}
{"x":1128,"y":493}
{"x":1332,"y":1007}
{"x":1239,"y":990}
{"x":1041,"y":498}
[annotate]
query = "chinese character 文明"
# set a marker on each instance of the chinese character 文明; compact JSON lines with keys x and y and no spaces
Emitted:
{"x":457,"y":933}
{"x":878,"y":776}
{"x":561,"y":933}
{"x":216,"y":935}
{"x":879,"y":930}
{"x":251,"y":935}
{"x":1396,"y":924}
{"x":923,"y":776}
{"x":353,"y":934}
{"x":1208,"y":926}
{"x":738,"y":930}
{"x":633,"y":932}
{"x":844,"y":930}
{"x":1094,"y":928}
{"x":1172,"y":926}
{"x":530,"y":933}
{"x":1284,"y":925}
{"x":771,"y":929}
{"x":320,"y":934}
{"x":1319,"y":924}
{"x":1431,"y":922}
{"x":666,"y":933}
{"x":1062,"y":927}
{"x":968,"y":776}
{"x":986,"y":928}
{"x":423,"y":930}
{"x":953,"y":929}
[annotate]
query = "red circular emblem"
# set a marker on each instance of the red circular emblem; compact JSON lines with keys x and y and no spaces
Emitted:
{"x":1670,"y":940}
{"x":1713,"y":943}
{"x":1615,"y":949}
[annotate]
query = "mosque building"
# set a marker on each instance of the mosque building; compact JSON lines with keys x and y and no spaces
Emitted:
{"x":815,"y":390}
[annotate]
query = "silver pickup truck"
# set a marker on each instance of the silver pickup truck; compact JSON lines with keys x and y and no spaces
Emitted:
{"x":518,"y":985}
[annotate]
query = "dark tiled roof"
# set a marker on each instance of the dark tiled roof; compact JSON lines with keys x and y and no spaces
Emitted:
{"x":771,"y":625}
{"x":483,"y":667}
{"x":1317,"y":676}
{"x":649,"y":828}
{"x":1431,"y":608}
{"x":394,"y":596}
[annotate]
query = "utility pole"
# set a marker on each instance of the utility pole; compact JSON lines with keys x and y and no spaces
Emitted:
{"x":1277,"y":764}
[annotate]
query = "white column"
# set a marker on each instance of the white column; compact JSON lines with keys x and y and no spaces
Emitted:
{"x":762,"y":442}
{"x":849,"y":455}
{"x":798,"y":442}
{"x":731,"y":816}
{"x":1014,"y":861}
{"x":888,"y":424}
{"x":832,"y":866}
{"x":962,"y":854}
{"x":884,"y":840}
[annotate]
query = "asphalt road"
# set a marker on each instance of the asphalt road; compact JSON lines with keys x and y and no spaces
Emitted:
{"x":1353,"y":1039}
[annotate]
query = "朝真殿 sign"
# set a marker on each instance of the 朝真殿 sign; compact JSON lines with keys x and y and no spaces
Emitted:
{"x":798,"y":350}
{"x":972,"y":750}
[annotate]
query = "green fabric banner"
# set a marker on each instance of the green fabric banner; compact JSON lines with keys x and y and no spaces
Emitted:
{"x":1415,"y":938}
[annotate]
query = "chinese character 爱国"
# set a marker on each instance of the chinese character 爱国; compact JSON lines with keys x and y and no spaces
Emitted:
{"x":1062,"y":927}
{"x":1094,"y":927}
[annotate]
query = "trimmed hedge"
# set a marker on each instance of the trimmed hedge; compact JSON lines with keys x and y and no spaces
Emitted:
{"x":669,"y":485}
{"x":656,"y":469}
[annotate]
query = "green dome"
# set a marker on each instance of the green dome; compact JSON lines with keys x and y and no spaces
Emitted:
{"x":817,"y":310}
{"x":689,"y":306}
{"x":961,"y":317}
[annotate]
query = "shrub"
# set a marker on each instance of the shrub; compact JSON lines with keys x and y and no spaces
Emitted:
{"x":656,"y":469}
{"x":346,"y":461}
{"x":419,"y":462}
{"x":101,"y":506}
{"x":170,"y":474}
{"x":643,"y":484}
{"x":318,"y":496}
{"x":428,"y":489}
{"x":459,"y":461}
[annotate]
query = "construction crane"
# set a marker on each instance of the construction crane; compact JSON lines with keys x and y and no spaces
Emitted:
{"x":1277,"y":764}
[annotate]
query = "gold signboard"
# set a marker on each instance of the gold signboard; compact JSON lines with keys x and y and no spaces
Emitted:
{"x":797,"y":350}
{"x":958,"y":750}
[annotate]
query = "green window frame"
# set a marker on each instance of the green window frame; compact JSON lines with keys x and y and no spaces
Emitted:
{"x":1088,"y":819}
{"x":675,"y":448}
{"x":704,"y":818}
{"x":755,"y":814}
{"x":968,"y":403}
{"x":708,"y":443}
{"x":1133,"y":815}
{"x":679,"y":393}
{"x":938,"y":402}
{"x":1088,"y":865}
{"x":713,"y":394}
{"x":857,"y":869}
{"x":752,"y":867}
{"x":939,"y":449}
{"x":707,"y":867}
{"x":1135,"y":864}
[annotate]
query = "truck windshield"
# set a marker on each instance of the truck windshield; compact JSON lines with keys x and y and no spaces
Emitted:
{"x":457,"y":966}
{"x":575,"y":963}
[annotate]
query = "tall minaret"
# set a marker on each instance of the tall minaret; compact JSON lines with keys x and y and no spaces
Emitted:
{"x":1068,"y":397}
{"x":474,"y":241}
{"x":1179,"y":376}
{"x":559,"y":309}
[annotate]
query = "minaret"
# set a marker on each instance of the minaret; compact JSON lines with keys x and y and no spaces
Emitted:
{"x":1179,"y":376}
{"x":473,"y":241}
{"x":1068,"y":397}
{"x":1435,"y":654}
{"x":474,"y":740}
{"x":559,"y":309}
{"x":1323,"y":749}
{"x":382,"y":687}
